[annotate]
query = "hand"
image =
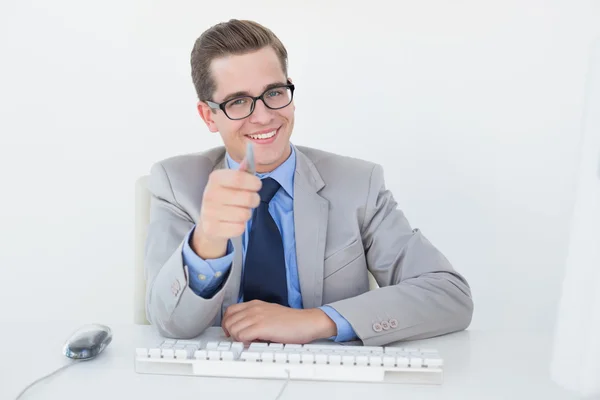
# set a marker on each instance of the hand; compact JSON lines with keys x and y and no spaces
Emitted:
{"x":258,"y":320}
{"x":227,"y":204}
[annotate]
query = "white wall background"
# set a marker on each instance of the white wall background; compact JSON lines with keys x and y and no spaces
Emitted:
{"x":473,"y":107}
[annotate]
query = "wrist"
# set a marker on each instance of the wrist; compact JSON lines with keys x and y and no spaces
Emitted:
{"x":325,"y":327}
{"x":207,"y":247}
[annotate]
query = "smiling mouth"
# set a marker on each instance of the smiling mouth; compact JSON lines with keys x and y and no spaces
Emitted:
{"x":267,"y":136}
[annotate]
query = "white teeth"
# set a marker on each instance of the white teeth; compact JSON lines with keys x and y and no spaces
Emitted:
{"x":263,"y":135}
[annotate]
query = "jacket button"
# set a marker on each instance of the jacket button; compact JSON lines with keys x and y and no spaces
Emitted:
{"x":377,"y":327}
{"x":385,"y":325}
{"x":393,"y":323}
{"x":175,"y":287}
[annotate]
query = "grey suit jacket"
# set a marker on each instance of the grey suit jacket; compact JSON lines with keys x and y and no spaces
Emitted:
{"x":346,"y":223}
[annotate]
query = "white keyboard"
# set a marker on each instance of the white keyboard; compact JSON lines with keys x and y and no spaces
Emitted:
{"x":322,"y":362}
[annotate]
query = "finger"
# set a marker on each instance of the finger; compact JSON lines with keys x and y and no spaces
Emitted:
{"x":238,"y":198}
{"x":231,"y":197}
{"x":222,"y":229}
{"x":239,"y":326}
{"x":225,"y":331}
{"x":233,"y":319}
{"x":244,"y":165}
{"x":232,"y":214}
{"x":251,"y":333}
{"x":237,"y":179}
{"x":235,"y":308}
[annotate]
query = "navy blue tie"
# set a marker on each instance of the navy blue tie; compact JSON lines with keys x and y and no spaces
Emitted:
{"x":264,"y":269}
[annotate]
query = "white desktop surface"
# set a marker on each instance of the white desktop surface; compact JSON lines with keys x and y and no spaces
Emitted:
{"x":478,"y":365}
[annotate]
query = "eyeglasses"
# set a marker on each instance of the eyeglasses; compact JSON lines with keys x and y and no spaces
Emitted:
{"x":241,"y":107}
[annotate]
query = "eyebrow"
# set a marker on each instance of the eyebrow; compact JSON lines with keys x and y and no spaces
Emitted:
{"x":244,"y":93}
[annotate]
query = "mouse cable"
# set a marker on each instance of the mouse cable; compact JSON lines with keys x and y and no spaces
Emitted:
{"x":46,"y":376}
{"x":284,"y":385}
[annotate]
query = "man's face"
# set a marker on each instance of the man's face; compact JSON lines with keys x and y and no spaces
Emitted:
{"x":251,"y":73}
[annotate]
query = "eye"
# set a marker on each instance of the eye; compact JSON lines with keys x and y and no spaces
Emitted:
{"x":239,"y":102}
{"x":274,"y":93}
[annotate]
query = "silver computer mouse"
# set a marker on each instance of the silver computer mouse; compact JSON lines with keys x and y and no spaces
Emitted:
{"x":87,"y":342}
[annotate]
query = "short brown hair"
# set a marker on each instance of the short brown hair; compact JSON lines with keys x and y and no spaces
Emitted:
{"x":233,"y":37}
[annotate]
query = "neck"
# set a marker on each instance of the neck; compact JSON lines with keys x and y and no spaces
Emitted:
{"x":266,"y":168}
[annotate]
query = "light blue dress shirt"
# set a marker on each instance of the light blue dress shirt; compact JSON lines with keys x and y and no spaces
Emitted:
{"x":281,"y":208}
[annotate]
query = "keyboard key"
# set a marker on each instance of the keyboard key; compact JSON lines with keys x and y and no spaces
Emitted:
{"x":321,"y":358}
{"x":293,"y":347}
{"x":154,"y":353}
{"x":258,"y":346}
{"x":376,"y":361}
{"x":267,"y":356}
{"x":416,"y":361}
{"x":362,"y":360}
{"x":402,"y":361}
{"x":335,"y":359}
{"x":227,"y":355}
{"x":237,"y":348}
{"x":141,"y":352}
{"x":389,"y":361}
{"x":370,"y":349}
{"x":428,"y":351}
{"x":320,"y":347}
{"x":214,"y":355}
{"x":281,"y":357}
{"x":433,"y":362}
{"x":212,"y":345}
{"x":181,"y":354}
{"x":275,"y":346}
{"x":200,"y":355}
{"x":250,"y":356}
{"x":224,"y":346}
{"x":348,"y":360}
{"x":168,"y":353}
{"x":394,"y":350}
{"x":190,"y":343}
{"x":308,"y":358}
{"x":294,"y":358}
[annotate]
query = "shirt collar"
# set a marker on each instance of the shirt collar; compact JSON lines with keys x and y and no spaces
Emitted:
{"x":284,"y":174}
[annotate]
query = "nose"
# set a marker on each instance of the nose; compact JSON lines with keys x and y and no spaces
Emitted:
{"x":261,"y":114}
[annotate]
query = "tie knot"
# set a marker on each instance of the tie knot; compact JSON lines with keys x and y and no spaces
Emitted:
{"x":268,"y":190}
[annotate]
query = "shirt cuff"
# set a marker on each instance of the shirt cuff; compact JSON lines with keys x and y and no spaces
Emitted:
{"x":205,"y":275}
{"x":344,"y":329}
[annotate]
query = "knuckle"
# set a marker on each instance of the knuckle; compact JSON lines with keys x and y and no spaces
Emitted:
{"x":240,"y":229}
{"x":257,"y":183}
{"x":253,"y":199}
{"x":247,"y":214}
{"x":238,"y":178}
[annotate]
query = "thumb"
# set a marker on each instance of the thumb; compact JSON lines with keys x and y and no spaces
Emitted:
{"x":244,"y":165}
{"x":247,"y":163}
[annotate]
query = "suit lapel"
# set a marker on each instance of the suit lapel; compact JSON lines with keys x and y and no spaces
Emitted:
{"x":310,"y":224}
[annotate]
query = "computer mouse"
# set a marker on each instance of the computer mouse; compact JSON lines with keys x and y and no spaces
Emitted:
{"x":87,"y":342}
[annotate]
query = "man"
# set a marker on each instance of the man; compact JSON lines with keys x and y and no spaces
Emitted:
{"x":283,"y":254}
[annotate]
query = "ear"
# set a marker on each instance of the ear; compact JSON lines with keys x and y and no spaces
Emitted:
{"x":289,"y":79}
{"x":207,"y":115}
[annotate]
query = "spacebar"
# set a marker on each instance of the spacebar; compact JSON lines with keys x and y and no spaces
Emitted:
{"x":240,"y":369}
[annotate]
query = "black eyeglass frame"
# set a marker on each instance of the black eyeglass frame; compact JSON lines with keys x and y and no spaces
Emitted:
{"x":221,"y":106}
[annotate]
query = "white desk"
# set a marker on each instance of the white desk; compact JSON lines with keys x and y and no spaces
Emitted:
{"x":478,"y":365}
